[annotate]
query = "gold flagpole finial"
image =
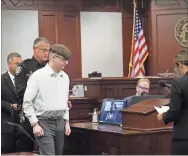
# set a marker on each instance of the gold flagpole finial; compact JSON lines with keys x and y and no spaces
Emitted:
{"x":134,"y":2}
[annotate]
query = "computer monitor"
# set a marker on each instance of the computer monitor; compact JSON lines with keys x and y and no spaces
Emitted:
{"x":111,"y":111}
{"x":136,"y":99}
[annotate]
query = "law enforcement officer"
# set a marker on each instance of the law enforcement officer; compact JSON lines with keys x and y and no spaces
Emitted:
{"x":24,"y":70}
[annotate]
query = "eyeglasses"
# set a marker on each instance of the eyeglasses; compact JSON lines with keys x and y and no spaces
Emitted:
{"x":177,"y":64}
{"x":44,"y":50}
{"x":63,"y":59}
{"x":143,"y":88}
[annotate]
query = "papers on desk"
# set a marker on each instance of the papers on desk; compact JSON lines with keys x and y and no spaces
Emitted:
{"x":161,"y":109}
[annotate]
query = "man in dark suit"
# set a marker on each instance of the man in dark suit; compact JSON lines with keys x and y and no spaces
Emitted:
{"x":8,"y":103}
{"x":178,"y":111}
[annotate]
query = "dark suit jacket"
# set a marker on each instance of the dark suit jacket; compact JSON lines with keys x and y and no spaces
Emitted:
{"x":8,"y":97}
{"x":178,"y":112}
{"x":129,"y":99}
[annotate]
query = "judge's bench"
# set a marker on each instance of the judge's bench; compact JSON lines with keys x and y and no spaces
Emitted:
{"x":140,"y":132}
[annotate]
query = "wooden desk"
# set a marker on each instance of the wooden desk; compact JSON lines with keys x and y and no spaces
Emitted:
{"x":20,"y":153}
{"x":87,"y":138}
{"x":81,"y":107}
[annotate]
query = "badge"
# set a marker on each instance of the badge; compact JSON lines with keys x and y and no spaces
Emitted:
{"x":18,"y":70}
{"x":181,"y":32}
{"x":30,"y":73}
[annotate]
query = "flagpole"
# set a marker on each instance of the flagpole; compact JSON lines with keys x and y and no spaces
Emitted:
{"x":132,"y":46}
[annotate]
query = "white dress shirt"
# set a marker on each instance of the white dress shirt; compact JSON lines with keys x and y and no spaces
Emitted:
{"x":46,"y":91}
{"x":12,"y":78}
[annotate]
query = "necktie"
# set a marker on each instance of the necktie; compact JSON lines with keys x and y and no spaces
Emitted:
{"x":13,"y":81}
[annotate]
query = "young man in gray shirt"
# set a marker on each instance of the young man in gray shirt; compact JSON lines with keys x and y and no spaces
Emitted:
{"x":45,"y":101}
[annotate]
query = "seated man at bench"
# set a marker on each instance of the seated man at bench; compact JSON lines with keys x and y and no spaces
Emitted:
{"x":142,"y":87}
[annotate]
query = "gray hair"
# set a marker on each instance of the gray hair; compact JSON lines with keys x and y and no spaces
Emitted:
{"x":11,"y":55}
{"x":182,"y":57}
{"x":40,"y":39}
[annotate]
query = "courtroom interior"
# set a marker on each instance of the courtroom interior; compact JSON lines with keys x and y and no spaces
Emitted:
{"x":121,"y":70}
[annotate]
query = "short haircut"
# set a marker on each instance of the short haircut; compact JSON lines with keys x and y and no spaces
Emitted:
{"x":61,"y":50}
{"x":40,"y":39}
{"x":141,"y":80}
{"x":182,"y":57}
{"x":11,"y":55}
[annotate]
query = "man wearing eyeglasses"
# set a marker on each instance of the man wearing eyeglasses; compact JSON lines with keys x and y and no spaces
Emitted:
{"x":45,"y":102}
{"x":142,"y":88}
{"x":24,"y":70}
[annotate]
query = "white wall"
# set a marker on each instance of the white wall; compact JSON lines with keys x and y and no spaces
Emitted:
{"x":19,"y":29}
{"x":101,"y":43}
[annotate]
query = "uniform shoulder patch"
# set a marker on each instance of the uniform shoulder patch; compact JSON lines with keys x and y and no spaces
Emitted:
{"x":21,"y":66}
{"x":18,"y":70}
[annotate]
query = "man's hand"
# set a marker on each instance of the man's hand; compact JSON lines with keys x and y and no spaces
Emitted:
{"x":69,"y":104}
{"x":160,"y":116}
{"x":37,"y":130}
{"x":67,"y":128}
{"x":14,"y":105}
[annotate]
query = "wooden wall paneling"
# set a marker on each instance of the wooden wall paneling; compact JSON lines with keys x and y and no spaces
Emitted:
{"x":101,"y":5}
{"x":72,"y":39}
{"x":169,"y":4}
{"x":127,"y":26}
{"x":41,"y":4}
{"x":164,"y":44}
{"x":62,"y":18}
{"x":63,"y":28}
{"x":48,"y":25}
{"x":19,"y":4}
{"x":81,"y":108}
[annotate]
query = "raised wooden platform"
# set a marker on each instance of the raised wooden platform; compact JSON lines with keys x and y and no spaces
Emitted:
{"x":116,"y":87}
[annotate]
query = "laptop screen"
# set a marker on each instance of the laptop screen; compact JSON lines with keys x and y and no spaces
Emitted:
{"x":110,"y":111}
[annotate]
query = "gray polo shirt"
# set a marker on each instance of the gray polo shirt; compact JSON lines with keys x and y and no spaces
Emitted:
{"x":46,"y":92}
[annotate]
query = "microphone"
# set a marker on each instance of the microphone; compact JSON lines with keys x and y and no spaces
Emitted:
{"x":23,"y":130}
{"x":144,"y":94}
{"x":162,"y":83}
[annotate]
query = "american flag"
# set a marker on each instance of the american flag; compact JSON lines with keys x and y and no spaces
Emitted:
{"x":139,"y":51}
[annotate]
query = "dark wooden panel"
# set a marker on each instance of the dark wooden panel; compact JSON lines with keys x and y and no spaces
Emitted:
{"x":63,"y":28}
{"x":72,"y":39}
{"x":164,"y":44}
{"x":48,"y":25}
{"x":116,"y":87}
{"x":167,"y":47}
{"x":127,"y":22}
{"x":81,"y":108}
{"x":169,"y":4}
